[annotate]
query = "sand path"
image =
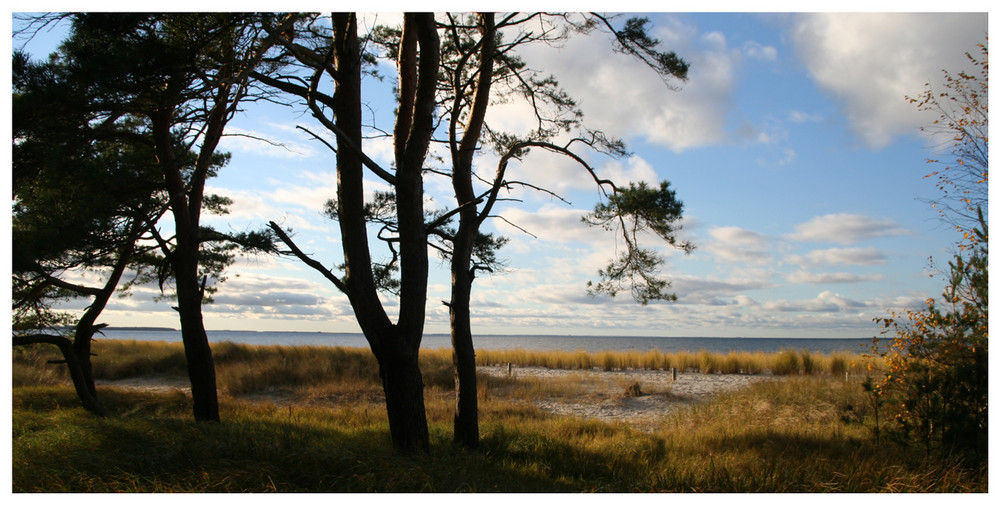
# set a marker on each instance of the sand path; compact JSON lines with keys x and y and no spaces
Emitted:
{"x":602,"y":393}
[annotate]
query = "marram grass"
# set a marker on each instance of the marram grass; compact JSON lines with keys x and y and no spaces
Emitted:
{"x":776,"y":436}
{"x":784,"y":362}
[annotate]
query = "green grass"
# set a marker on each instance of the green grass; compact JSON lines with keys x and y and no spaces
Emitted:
{"x":776,"y":436}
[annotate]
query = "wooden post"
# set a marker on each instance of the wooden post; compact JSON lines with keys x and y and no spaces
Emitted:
{"x":508,"y":370}
{"x":673,"y":372}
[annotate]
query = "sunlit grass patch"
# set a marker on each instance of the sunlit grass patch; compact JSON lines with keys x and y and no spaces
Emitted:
{"x":785,"y":362}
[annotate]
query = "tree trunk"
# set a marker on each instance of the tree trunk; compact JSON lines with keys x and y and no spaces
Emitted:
{"x":464,"y":358}
{"x":86,"y":327}
{"x":184,"y":259}
{"x":197,"y":351}
{"x":463,"y":152}
{"x":396,"y":347}
{"x":403,"y":385}
{"x":463,"y":351}
{"x":85,"y":393}
{"x":82,"y":350}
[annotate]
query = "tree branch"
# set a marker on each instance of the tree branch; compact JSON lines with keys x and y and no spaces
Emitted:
{"x":515,"y":152}
{"x":76,"y":288}
{"x":311,"y":95}
{"x":306,"y":259}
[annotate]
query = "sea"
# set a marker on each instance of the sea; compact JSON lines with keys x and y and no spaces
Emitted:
{"x":527,"y":342}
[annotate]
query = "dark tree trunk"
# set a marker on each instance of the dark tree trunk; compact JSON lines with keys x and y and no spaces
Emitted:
{"x":463,"y":351}
{"x":201,"y":372}
{"x":86,"y":327}
{"x":82,"y":350}
{"x":395,"y":346}
{"x":403,"y":384}
{"x":467,"y":401}
{"x":197,"y":351}
{"x":462,"y":273}
{"x":76,"y":353}
{"x":80,"y":383}
{"x":185,"y":206}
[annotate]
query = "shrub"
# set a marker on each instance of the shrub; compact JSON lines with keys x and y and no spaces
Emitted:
{"x":937,"y":363}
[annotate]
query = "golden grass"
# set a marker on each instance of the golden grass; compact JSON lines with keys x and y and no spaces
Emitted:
{"x":336,"y":372}
{"x":775,"y":436}
{"x":785,"y":362}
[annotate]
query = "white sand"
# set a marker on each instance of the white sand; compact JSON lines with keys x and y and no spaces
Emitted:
{"x":602,"y":394}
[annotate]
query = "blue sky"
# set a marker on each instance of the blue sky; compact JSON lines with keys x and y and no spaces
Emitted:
{"x":798,"y":158}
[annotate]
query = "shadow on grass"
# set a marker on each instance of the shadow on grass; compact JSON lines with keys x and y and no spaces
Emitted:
{"x":149,"y":444}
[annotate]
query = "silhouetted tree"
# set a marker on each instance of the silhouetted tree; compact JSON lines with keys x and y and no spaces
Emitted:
{"x":84,"y":193}
{"x":178,"y":79}
{"x":336,"y":54}
{"x":448,"y":70}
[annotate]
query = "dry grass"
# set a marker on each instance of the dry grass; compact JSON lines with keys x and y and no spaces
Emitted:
{"x":775,"y":436}
{"x":785,"y":362}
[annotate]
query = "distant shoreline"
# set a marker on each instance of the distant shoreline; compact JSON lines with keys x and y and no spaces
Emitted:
{"x":527,"y":342}
{"x":138,"y":328}
{"x":501,"y":335}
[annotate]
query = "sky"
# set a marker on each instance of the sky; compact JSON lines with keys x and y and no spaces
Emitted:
{"x":792,"y":144}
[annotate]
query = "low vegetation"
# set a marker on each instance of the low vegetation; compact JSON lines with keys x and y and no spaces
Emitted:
{"x":311,"y":419}
{"x":786,"y":362}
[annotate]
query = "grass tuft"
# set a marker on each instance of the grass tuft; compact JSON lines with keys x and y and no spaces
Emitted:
{"x":633,"y":390}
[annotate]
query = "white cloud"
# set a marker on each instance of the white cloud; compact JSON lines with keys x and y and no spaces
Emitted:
{"x":548,"y":170}
{"x":692,"y":290}
{"x":803,"y":277}
{"x":311,"y":194}
{"x":798,"y":116}
{"x":550,"y":224}
{"x":847,"y":256}
{"x":739,"y":245}
{"x":621,"y":95}
{"x":270,"y":299}
{"x":758,"y":51}
{"x":826,"y":301}
{"x":368,"y":20}
{"x":246,"y":205}
{"x":788,"y":158}
{"x":846,"y":229}
{"x":872,"y":61}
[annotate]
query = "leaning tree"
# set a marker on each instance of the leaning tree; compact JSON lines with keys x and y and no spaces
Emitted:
{"x":178,"y":79}
{"x":84,"y":194}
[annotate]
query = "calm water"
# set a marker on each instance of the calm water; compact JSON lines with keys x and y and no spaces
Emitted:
{"x":530,"y":342}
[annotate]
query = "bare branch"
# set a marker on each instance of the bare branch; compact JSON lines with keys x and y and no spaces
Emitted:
{"x":516,"y":151}
{"x":312,"y":96}
{"x":448,"y":215}
{"x":317,"y":137}
{"x":306,"y":259}
{"x":514,"y":225}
